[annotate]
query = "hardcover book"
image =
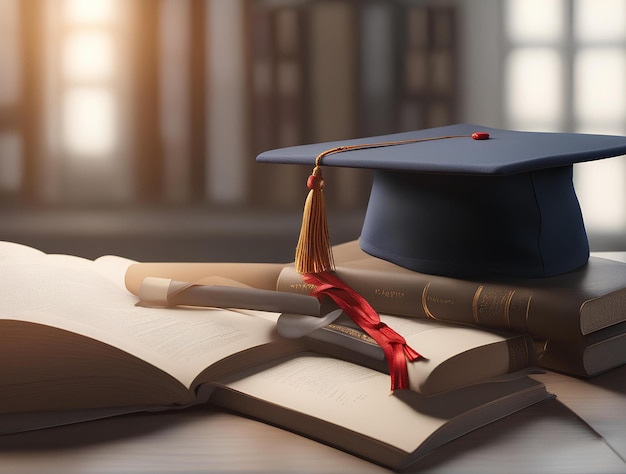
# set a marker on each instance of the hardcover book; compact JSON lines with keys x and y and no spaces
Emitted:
{"x":561,"y":308}
{"x":597,"y":353}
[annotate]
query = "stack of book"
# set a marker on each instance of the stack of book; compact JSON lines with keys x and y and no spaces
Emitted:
{"x":577,"y":320}
{"x":75,"y":345}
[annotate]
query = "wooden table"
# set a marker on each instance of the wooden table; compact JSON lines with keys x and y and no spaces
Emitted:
{"x":583,"y":430}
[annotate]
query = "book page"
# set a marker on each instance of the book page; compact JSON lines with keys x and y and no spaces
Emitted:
{"x":346,"y":394}
{"x":453,"y":356}
{"x":114,"y":268}
{"x":69,"y":293}
{"x":13,"y":249}
{"x":357,"y":399}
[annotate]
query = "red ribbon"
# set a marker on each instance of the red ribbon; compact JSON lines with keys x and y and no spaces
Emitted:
{"x":394,"y":346}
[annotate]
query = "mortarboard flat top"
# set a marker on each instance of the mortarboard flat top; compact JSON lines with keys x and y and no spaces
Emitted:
{"x":451,"y":205}
{"x":505,"y":152}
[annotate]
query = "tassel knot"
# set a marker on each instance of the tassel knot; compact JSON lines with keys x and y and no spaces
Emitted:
{"x":315,"y":181}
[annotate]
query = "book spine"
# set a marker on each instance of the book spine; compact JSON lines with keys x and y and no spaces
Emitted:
{"x":550,"y":314}
{"x":565,"y":358}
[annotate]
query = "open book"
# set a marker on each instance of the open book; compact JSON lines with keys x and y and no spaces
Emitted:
{"x":74,"y":346}
{"x":348,"y":406}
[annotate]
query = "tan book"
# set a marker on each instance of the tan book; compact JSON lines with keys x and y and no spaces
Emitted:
{"x":75,"y":346}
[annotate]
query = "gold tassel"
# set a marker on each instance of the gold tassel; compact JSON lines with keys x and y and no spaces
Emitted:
{"x":314,"y":252}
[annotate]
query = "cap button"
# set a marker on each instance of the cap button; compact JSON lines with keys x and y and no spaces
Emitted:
{"x":480,"y":135}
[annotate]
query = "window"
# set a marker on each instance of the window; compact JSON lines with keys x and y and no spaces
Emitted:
{"x":565,"y":70}
{"x":84,"y":83}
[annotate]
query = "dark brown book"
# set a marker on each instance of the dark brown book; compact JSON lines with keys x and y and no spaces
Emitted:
{"x":597,"y":353}
{"x":563,"y":308}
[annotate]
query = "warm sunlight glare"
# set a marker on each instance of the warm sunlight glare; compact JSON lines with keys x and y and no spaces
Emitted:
{"x":599,"y":107}
{"x":600,"y":86}
{"x":603,"y":20}
{"x":89,"y":121}
{"x":9,"y":53}
{"x":88,"y":56}
{"x":535,"y":20}
{"x":600,"y":186}
{"x":534,"y":96}
{"x":89,"y":11}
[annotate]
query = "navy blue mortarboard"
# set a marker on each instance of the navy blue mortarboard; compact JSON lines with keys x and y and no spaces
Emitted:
{"x":465,"y":200}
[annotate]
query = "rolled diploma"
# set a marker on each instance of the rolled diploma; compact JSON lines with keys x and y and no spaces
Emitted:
{"x":256,"y":275}
{"x":155,"y":291}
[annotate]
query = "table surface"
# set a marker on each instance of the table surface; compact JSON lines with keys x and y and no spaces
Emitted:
{"x":582,"y":430}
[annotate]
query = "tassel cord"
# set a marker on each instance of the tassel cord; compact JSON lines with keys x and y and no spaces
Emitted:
{"x":394,"y":346}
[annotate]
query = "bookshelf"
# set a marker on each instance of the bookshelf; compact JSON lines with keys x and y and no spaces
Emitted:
{"x":311,"y":70}
{"x":278,"y":113}
{"x":428,"y":67}
{"x":355,"y":69}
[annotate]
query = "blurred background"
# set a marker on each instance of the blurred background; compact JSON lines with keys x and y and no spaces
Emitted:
{"x":131,"y":126}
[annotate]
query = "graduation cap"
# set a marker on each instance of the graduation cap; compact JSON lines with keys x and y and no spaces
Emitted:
{"x":461,"y":200}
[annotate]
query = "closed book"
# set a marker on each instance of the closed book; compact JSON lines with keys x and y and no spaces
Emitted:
{"x":562,"y":308}
{"x":597,"y":353}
